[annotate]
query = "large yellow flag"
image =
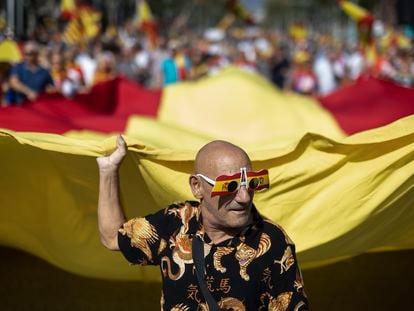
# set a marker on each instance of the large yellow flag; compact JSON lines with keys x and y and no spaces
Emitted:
{"x":336,"y":198}
{"x":244,"y":108}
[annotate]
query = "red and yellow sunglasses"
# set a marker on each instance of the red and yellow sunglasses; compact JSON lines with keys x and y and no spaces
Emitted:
{"x":224,"y":184}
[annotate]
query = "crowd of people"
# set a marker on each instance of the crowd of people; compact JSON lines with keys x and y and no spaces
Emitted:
{"x":314,"y":65}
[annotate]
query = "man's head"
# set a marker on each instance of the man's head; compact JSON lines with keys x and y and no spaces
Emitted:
{"x":57,"y":62}
{"x":228,"y":212}
{"x":31,"y":52}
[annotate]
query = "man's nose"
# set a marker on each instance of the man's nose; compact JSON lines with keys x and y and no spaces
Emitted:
{"x":243,"y":195}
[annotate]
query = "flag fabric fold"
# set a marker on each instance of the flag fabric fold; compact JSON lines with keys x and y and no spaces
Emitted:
{"x":336,"y":197}
{"x":369,"y":103}
{"x":105,"y":109}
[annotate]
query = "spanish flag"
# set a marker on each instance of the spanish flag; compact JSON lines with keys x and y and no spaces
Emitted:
{"x":238,"y":9}
{"x":67,"y":9}
{"x":362,"y":17}
{"x":146,"y":21}
{"x":338,"y":196}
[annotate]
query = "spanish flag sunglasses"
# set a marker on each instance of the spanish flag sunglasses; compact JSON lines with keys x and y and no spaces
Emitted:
{"x":224,"y":184}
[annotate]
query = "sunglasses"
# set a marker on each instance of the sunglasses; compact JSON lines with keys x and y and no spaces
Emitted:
{"x":224,"y":184}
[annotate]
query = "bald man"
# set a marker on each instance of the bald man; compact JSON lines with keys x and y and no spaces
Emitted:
{"x":217,"y":253}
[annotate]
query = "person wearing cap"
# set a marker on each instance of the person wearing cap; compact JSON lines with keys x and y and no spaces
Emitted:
{"x":28,"y":79}
{"x":216,"y":253}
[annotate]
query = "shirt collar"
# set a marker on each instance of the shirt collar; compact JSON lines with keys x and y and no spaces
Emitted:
{"x":247,"y":235}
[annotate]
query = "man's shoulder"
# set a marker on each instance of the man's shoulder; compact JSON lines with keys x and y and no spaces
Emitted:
{"x":43,"y":71}
{"x":18,"y":68}
{"x":276,"y":232}
{"x":183,"y":211}
{"x":188,"y":207}
{"x":183,"y":204}
{"x":175,"y":215}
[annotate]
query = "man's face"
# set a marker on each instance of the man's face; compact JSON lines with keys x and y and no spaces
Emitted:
{"x":30,"y":54}
{"x":229,"y":211}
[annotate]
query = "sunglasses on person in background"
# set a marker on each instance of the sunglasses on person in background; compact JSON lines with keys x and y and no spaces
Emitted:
{"x":224,"y":184}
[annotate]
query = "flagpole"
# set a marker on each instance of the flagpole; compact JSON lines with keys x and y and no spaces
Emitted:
{"x":19,"y":17}
{"x":11,"y":14}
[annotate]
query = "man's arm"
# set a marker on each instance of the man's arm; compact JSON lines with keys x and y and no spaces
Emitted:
{"x":18,"y":86}
{"x":110,"y":213}
{"x":50,"y":85}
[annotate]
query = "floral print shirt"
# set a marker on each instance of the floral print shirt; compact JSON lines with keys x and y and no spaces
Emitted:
{"x":256,"y":270}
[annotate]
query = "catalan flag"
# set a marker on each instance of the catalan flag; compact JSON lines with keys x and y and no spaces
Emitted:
{"x":83,"y":25}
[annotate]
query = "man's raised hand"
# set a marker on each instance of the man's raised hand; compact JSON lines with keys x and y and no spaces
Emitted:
{"x":113,"y":161}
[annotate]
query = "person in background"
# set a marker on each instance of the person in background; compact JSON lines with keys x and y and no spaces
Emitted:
{"x":355,"y":62}
{"x":74,"y":70}
{"x":323,"y":70}
{"x":105,"y":68}
{"x":6,"y":93}
{"x":302,"y":79}
{"x":63,"y":83}
{"x":85,"y":59}
{"x":28,"y":79}
{"x":280,"y":65}
{"x":176,"y":67}
{"x":126,"y":65}
{"x":142,"y":60}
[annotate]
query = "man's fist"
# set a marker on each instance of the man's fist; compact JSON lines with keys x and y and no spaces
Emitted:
{"x":113,"y":161}
{"x":32,"y":95}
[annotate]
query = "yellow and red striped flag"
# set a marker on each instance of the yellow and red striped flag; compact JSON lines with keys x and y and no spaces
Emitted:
{"x":364,"y":20}
{"x":240,"y":11}
{"x":146,"y":21}
{"x":354,"y":11}
{"x":90,"y":19}
{"x":83,"y":25}
{"x":67,"y":9}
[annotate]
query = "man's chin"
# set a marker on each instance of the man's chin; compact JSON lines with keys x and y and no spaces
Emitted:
{"x":239,"y":219}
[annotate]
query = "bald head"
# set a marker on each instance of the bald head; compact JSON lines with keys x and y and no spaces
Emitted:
{"x":220,"y":157}
{"x":229,"y":213}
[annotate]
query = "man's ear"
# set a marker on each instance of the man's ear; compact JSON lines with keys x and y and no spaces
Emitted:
{"x":196,"y":187}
